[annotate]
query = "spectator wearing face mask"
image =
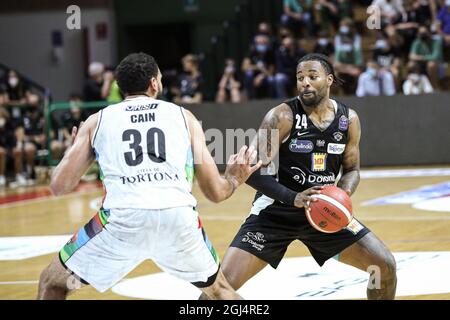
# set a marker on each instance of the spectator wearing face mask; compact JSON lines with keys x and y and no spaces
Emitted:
{"x":348,"y":55}
{"x":265,"y":29}
{"x":386,"y":57}
{"x":416,"y":83}
{"x":287,"y":57}
{"x":190,"y":82}
{"x":229,"y":86}
{"x":8,"y":145}
{"x":427,"y":51}
{"x":259,"y":68}
{"x":375,"y":82}
{"x":324,"y":45}
{"x":20,"y":100}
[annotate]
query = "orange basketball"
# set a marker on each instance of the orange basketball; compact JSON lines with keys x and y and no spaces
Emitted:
{"x":332,"y":212}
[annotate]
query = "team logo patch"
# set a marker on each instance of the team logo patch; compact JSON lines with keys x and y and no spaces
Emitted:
{"x":335,"y":148}
{"x":142,"y":107}
{"x":319,"y":161}
{"x":320,"y":143}
{"x":338,"y":136}
{"x":301,"y":146}
{"x":343,"y":123}
{"x":354,"y":227}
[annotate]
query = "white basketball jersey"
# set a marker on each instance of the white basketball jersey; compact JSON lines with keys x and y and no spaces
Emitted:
{"x":144,"y":151}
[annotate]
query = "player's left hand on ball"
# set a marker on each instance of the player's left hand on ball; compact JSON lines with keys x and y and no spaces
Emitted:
{"x":304,"y":198}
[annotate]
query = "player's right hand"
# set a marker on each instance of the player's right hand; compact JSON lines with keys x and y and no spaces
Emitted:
{"x":239,"y":166}
{"x":304,"y":198}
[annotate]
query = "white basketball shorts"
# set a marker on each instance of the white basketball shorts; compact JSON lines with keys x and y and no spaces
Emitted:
{"x":116,"y":241}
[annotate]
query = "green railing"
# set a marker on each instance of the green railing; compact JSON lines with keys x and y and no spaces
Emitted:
{"x":64,"y":106}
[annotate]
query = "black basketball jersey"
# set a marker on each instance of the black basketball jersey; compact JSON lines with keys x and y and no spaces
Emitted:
{"x":311,"y":157}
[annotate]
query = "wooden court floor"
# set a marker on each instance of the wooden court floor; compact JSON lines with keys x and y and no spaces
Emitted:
{"x":401,"y":227}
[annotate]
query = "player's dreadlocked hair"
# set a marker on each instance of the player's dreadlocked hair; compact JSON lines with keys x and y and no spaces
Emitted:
{"x":326,"y":64}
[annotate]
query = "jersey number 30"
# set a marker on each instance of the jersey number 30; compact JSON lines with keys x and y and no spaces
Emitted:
{"x":156,"y":148}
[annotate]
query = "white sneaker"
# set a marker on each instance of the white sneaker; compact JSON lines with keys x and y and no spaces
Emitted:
{"x":2,"y":181}
{"x":21,"y":180}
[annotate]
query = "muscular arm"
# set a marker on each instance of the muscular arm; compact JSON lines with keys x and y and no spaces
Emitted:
{"x":274,"y":128}
{"x":350,"y":164}
{"x":214,"y":186}
{"x":76,"y":161}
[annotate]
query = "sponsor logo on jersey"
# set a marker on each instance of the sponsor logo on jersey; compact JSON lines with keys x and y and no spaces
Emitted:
{"x":150,"y":177}
{"x":338,"y":136}
{"x":299,"y":134}
{"x":343,"y":123}
{"x":335,"y":148}
{"x":318,"y":161}
{"x":320,"y":143}
{"x":301,"y":146}
{"x":149,"y":106}
{"x":255,"y":239}
{"x":313,"y":178}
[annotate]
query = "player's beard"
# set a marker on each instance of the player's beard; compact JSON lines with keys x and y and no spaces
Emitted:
{"x":313,"y":99}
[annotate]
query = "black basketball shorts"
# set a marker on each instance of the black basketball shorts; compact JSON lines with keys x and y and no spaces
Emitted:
{"x":272,"y":226}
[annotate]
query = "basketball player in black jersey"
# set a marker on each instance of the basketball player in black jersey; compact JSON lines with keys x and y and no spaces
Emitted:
{"x":317,"y":137}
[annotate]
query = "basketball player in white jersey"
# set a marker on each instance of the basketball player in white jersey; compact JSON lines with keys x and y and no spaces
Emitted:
{"x":147,"y":150}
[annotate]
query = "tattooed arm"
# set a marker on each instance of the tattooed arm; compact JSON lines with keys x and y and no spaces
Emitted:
{"x":350,"y":177}
{"x":274,"y":128}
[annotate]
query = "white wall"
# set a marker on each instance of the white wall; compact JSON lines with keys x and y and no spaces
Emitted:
{"x":25,"y":44}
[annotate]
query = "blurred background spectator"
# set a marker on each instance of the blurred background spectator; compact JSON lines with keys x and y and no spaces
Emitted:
{"x":287,"y":57}
{"x":324,"y":45}
{"x":70,"y":118}
{"x":375,"y":82}
{"x":348,"y":55}
{"x":427,"y":51}
{"x":190,"y":82}
{"x":259,"y":68}
{"x":229,"y":86}
{"x":416,"y":82}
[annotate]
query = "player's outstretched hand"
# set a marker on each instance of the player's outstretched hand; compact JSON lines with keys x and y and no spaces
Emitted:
{"x":240,"y":167}
{"x":304,"y":198}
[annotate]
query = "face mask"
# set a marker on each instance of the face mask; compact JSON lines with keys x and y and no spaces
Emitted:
{"x":381,"y":44}
{"x":13,"y":81}
{"x":2,"y":122}
{"x":372,"y":72}
{"x":229,"y":69}
{"x":414,"y":77}
{"x":261,"y":48}
{"x":424,"y":36}
{"x":323,"y":42}
{"x":344,"y":30}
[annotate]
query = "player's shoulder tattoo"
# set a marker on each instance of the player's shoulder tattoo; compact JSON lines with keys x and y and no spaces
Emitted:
{"x":277,"y":116}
